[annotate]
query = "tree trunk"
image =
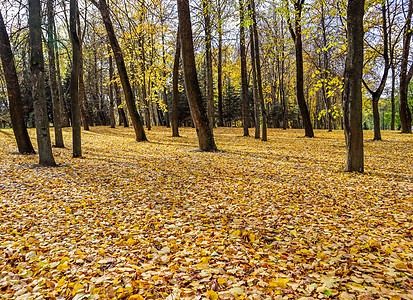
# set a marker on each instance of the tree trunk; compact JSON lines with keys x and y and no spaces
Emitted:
{"x":393,"y":101}
{"x":258,"y":73}
{"x":13,"y":89}
{"x":120,"y":63}
{"x":111,"y":99}
{"x":376,"y":117}
{"x":404,"y":111}
{"x":208,"y":62}
{"x":254,"y":84}
{"x":57,"y":106}
{"x":164,"y":97}
{"x":122,"y":115}
{"x":244,"y":81}
{"x":352,"y":96}
{"x":84,"y":109}
{"x":296,"y":35}
{"x":220,"y":110}
{"x":200,"y":119}
{"x":175,"y":89}
{"x":37,"y":69}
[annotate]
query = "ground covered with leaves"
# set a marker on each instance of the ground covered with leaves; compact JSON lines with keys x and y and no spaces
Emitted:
{"x":160,"y":220}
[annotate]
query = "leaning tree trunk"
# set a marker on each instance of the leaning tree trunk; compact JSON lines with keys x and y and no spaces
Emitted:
{"x":244,"y":81}
{"x":120,"y":63}
{"x":404,"y":111}
{"x":200,"y":119}
{"x":57,"y":105}
{"x":258,"y":73}
{"x":296,"y":35}
{"x":37,"y":69}
{"x":352,"y":96}
{"x":175,"y":89}
{"x":13,"y":89}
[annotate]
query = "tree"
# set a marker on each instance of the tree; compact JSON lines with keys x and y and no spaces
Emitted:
{"x":120,"y":63}
{"x":74,"y":80}
{"x":208,"y":63}
{"x":296,"y":36}
{"x":37,"y":69}
{"x":57,"y":105}
{"x":200,"y":119}
{"x":13,"y":88}
{"x":405,"y":75}
{"x":244,"y":80}
{"x":111,"y":99}
{"x":352,"y":96}
{"x":175,"y":88}
{"x":219,"y":67}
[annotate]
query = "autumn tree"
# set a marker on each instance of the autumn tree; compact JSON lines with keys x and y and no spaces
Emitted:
{"x":38,"y":80}
{"x":199,"y":116}
{"x":244,"y":79}
{"x":175,"y":87}
{"x":352,"y":96}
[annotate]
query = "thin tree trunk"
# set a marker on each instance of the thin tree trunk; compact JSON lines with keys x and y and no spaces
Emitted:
{"x":393,"y":101}
{"x":352,"y":96}
{"x":296,"y":35}
{"x":164,"y":97}
{"x":208,"y":62}
{"x":175,"y":89}
{"x":57,"y":110}
{"x":74,"y":80}
{"x":220,"y":110}
{"x":14,"y":93}
{"x":199,"y":116}
{"x":84,"y":112}
{"x":254,"y":84}
{"x":127,"y":89}
{"x":111,"y":99}
{"x":37,"y":69}
{"x":404,"y":111}
{"x":244,"y":82}
{"x":258,"y":73}
{"x":122,"y":115}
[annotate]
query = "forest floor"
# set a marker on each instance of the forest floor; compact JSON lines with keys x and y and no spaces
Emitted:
{"x":159,"y":220}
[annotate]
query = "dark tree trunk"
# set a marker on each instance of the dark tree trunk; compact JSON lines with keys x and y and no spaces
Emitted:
{"x":208,"y":62}
{"x":254,"y":84}
{"x":352,"y":96}
{"x":244,"y":81}
{"x":37,"y":69}
{"x":256,"y":49}
{"x":164,"y":97}
{"x":404,"y":111}
{"x":199,"y":116}
{"x":57,"y":105}
{"x":120,"y":63}
{"x":13,"y":89}
{"x":111,"y":99}
{"x":220,"y":110}
{"x":393,"y":100}
{"x":144,"y":95}
{"x":296,"y":35}
{"x":122,"y":115}
{"x":74,"y":80}
{"x":175,"y":89}
{"x":84,"y":108}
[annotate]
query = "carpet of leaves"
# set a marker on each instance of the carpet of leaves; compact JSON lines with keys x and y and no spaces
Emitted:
{"x":160,"y":220}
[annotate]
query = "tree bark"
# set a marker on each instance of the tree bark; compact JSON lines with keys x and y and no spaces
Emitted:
{"x":244,"y":81}
{"x":404,"y":111}
{"x":37,"y":69}
{"x":208,"y":62}
{"x":296,"y":35}
{"x":57,"y":105}
{"x":120,"y":63}
{"x":74,"y":80}
{"x":392,"y":97}
{"x":352,"y":96}
{"x":111,"y":99}
{"x":199,"y":116}
{"x":175,"y":89}
{"x":220,"y":110}
{"x":14,"y":93}
{"x":122,"y":115}
{"x":258,"y":73}
{"x":254,"y":83}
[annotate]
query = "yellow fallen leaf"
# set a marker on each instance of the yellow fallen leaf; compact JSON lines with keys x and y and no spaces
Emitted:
{"x":136,"y":297}
{"x":212,"y":295}
{"x":221,"y":281}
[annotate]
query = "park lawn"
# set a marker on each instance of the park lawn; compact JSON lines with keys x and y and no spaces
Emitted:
{"x":160,"y":220}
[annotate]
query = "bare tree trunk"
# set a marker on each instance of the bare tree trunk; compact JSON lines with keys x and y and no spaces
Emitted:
{"x":175,"y":89}
{"x":220,"y":110}
{"x":84,"y":109}
{"x":244,"y":82}
{"x":208,"y":62}
{"x":404,"y":111}
{"x":144,"y":94}
{"x":122,"y":115}
{"x":296,"y":35}
{"x":74,"y":80}
{"x":37,"y":69}
{"x":352,"y":96}
{"x":254,"y":84}
{"x":111,"y":99}
{"x":120,"y":63}
{"x":258,"y":73}
{"x":13,"y":89}
{"x":393,"y":100}
{"x":57,"y":109}
{"x":199,"y":116}
{"x":164,"y":97}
